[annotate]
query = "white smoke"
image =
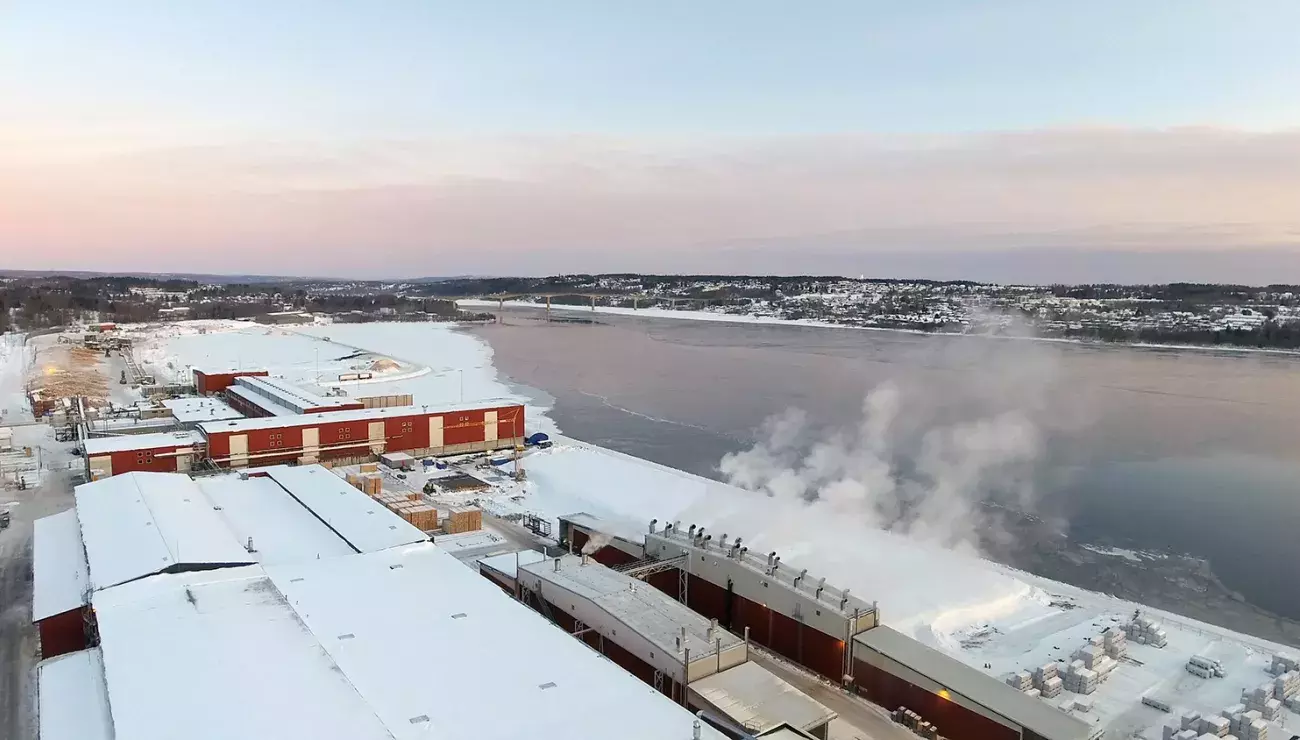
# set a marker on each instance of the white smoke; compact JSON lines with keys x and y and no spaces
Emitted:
{"x":596,"y":542}
{"x":921,"y":461}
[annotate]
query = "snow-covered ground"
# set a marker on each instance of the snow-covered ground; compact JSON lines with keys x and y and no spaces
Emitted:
{"x":988,"y":615}
{"x":665,"y":313}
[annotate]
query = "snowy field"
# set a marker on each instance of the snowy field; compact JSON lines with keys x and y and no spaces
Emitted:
{"x":981,"y":612}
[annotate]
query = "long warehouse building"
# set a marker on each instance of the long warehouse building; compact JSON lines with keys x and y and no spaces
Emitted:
{"x":358,"y":434}
{"x":279,"y":607}
{"x":825,"y":629}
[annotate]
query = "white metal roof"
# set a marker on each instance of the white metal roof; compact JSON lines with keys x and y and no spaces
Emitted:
{"x":755,"y":698}
{"x":470,"y":546}
{"x":276,"y":422}
{"x":262,"y":402}
{"x":440,"y":652}
{"x":128,"y":442}
{"x":279,"y":391}
{"x":507,"y":563}
{"x":136,"y":524}
{"x":282,"y":529}
{"x":650,"y":612}
{"x":73,"y":698}
{"x":59,"y":574}
{"x":627,"y":529}
{"x":360,"y":520}
{"x":206,"y":408}
{"x":221,"y":654}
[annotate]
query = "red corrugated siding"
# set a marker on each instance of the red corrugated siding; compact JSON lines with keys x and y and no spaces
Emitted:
{"x":401,"y":433}
{"x":953,"y":720}
{"x":209,"y":383}
{"x":805,"y":645}
{"x":615,"y":652}
{"x":218,"y":444}
{"x":62,"y":633}
{"x":155,"y":460}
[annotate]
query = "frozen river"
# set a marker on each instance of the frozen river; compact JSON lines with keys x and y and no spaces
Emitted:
{"x":1162,"y":450}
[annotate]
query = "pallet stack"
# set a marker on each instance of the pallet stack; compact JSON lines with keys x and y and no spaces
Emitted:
{"x":1115,"y":641}
{"x":1146,"y":632}
{"x":463,"y":519}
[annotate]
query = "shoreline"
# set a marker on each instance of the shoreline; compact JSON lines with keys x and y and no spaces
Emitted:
{"x":708,"y":316}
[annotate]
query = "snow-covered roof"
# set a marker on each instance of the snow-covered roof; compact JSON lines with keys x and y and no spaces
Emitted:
{"x":277,"y":422}
{"x":507,"y":563}
{"x":469,"y":546}
{"x":361,"y":521}
{"x":755,"y":698}
{"x":627,"y":529}
{"x":73,"y":698}
{"x":285,"y":394}
{"x":59,"y":573}
{"x":504,"y":671}
{"x":136,"y":524}
{"x":984,"y":690}
{"x":128,"y":442}
{"x":207,"y":408}
{"x":281,"y":528}
{"x":221,"y":654}
{"x":648,"y":611}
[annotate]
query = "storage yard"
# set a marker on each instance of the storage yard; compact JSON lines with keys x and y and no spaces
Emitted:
{"x":436,"y":509}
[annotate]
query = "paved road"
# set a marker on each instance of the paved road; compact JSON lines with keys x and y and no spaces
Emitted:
{"x":858,"y":718}
{"x":18,"y":644}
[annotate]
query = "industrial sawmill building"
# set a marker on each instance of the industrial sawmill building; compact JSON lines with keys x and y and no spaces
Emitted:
{"x":822,"y":628}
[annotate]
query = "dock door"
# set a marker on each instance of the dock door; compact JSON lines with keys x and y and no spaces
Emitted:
{"x":238,"y":450}
{"x":435,"y":433}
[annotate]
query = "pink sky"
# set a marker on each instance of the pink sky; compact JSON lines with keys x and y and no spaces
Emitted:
{"x":545,"y":204}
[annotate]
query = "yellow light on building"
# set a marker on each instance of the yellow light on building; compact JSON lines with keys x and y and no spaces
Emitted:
{"x":943,"y":694}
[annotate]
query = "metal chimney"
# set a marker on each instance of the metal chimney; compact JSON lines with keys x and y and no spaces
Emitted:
{"x":691,"y":532}
{"x":557,"y":565}
{"x":585,"y":558}
{"x":653,"y":522}
{"x":844,"y":598}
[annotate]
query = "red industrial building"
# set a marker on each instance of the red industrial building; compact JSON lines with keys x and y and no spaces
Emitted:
{"x":824,"y":629}
{"x":359,"y":434}
{"x":61,"y":614}
{"x":208,"y":382}
{"x":164,"y":452}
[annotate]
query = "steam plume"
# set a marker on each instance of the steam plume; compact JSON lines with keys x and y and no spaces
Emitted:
{"x":595,"y":542}
{"x":921,"y":460}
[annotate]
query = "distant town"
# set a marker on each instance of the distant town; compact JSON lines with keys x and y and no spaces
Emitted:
{"x":1176,"y":313}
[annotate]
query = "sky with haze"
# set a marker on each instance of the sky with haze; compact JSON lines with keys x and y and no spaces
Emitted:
{"x":1008,"y":140}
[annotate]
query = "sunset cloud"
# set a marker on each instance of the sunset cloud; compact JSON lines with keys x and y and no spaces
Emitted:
{"x":541,"y":204}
